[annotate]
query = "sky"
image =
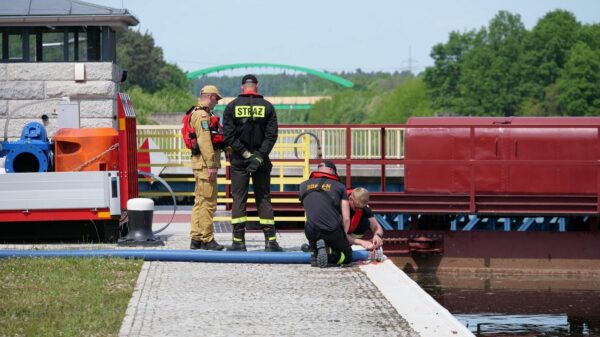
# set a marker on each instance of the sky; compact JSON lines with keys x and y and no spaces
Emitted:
{"x":332,"y":35}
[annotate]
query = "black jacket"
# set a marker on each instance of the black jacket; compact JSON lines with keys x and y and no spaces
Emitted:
{"x":323,"y":207}
{"x":254,"y":131}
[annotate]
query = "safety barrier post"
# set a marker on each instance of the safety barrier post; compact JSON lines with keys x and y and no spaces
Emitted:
{"x":348,"y":157}
{"x":281,"y":173}
{"x":179,"y":146}
{"x":382,"y":152}
{"x":306,"y":152}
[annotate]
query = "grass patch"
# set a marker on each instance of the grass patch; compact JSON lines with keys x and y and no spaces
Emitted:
{"x":65,"y":297}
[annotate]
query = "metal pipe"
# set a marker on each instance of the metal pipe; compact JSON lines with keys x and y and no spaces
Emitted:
{"x":178,"y":255}
{"x":319,"y":151}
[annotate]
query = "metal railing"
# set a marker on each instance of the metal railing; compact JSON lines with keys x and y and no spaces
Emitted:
{"x":381,"y":146}
{"x":167,"y":138}
{"x":292,"y":155}
{"x":288,"y":169}
{"x":366,"y":141}
{"x":372,"y":146}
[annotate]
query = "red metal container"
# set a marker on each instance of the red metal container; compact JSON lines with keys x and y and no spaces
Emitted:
{"x":505,"y":156}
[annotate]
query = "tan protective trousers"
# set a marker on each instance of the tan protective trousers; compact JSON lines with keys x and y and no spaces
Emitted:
{"x":205,"y":205}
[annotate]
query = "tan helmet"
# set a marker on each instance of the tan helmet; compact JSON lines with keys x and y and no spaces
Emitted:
{"x":211,"y":89}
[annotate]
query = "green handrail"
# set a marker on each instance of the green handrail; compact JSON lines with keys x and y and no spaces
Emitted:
{"x":330,"y":77}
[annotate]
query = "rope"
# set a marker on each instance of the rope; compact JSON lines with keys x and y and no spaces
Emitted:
{"x":112,"y":147}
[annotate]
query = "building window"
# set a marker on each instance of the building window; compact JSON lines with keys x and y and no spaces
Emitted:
{"x":15,"y":47}
{"x":81,"y":46}
{"x":53,"y":46}
{"x":57,"y":44}
{"x":32,"y":48}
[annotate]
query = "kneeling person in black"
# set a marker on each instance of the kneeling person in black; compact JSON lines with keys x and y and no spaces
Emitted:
{"x":325,"y":201}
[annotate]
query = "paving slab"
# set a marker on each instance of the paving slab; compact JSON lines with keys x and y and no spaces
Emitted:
{"x":208,"y":299}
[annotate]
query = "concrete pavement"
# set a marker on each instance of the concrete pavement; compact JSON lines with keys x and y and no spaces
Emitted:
{"x":212,"y":299}
{"x":207,"y":299}
{"x":223,"y":299}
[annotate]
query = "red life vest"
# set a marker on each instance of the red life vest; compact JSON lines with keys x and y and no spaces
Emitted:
{"x":251,"y":92}
{"x":189,"y":134}
{"x":216,"y":132}
{"x":358,"y":213}
{"x":317,"y":174}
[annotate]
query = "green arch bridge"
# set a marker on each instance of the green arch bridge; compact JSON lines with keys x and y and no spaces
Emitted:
{"x":330,"y":77}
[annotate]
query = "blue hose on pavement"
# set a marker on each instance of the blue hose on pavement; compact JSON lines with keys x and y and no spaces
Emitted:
{"x":179,"y":255}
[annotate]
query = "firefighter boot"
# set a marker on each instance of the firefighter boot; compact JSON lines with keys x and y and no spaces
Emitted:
{"x":271,"y":244}
{"x":313,"y":259}
{"x":212,"y":245}
{"x":322,"y":257}
{"x":195,"y":244}
{"x":238,"y":242}
{"x":336,"y":258}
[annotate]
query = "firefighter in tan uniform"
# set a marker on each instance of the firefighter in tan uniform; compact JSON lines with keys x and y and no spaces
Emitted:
{"x":205,"y":166}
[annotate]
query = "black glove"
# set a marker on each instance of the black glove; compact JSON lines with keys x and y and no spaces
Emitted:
{"x":254,"y":163}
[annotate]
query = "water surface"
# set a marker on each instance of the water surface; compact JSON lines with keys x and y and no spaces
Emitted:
{"x":518,"y":305}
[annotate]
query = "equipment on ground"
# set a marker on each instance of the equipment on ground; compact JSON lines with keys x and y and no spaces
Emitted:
{"x":96,"y":175}
{"x":31,"y":153}
{"x":376,"y":255}
{"x":87,"y":149}
{"x":178,"y":255}
{"x":140,"y":212}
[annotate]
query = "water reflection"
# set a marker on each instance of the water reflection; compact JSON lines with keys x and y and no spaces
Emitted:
{"x":518,"y":305}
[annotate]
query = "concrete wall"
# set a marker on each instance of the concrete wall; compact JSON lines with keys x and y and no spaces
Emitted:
{"x":45,"y":83}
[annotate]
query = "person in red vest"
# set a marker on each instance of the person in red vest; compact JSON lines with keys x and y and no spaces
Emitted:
{"x":205,"y":164}
{"x":361,"y":217}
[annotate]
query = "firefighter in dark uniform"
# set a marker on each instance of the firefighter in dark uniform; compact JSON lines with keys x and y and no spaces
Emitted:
{"x":325,"y":202}
{"x":250,"y":129}
{"x":205,"y":165}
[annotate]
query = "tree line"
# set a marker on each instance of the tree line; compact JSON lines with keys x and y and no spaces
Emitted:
{"x":153,"y":84}
{"x":505,"y":70}
{"x":501,"y":69}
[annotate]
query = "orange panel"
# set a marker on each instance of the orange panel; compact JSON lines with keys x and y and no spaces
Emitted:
{"x":76,"y":147}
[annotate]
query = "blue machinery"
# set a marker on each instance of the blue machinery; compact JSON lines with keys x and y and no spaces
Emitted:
{"x":31,"y":153}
